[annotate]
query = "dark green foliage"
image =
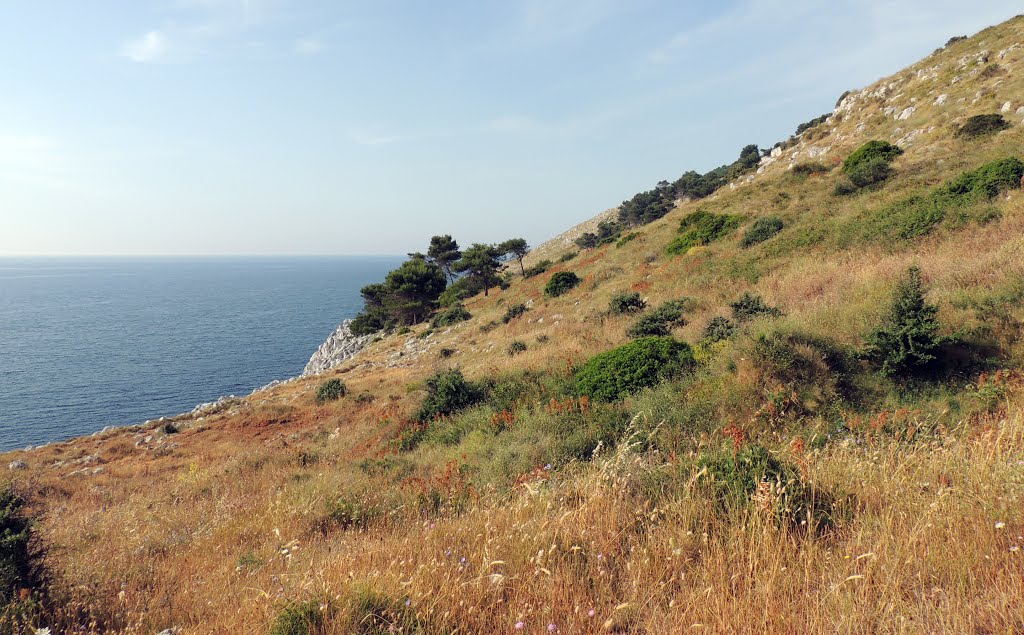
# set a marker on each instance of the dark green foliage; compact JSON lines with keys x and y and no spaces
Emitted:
{"x":752,"y":474}
{"x":516,"y":347}
{"x":763,"y":228}
{"x":809,"y":168}
{"x":718,"y":329}
{"x":871,"y":172}
{"x":452,"y":315}
{"x":538,"y":268}
{"x":299,"y":618}
{"x":919,"y":215}
{"x":413,"y":290}
{"x":660,"y":321}
{"x":956,"y":38}
{"x":515,"y":248}
{"x":447,"y":392}
{"x":481,"y":264}
{"x":567,"y":256}
{"x":626,"y":239}
{"x":331,"y":390}
{"x":702,"y":228}
{"x":445,"y":353}
{"x":513,"y":312}
{"x":373,"y":613}
{"x":588,"y":240}
{"x":458,"y":291}
{"x":907,"y":342}
{"x":981,"y":126}
{"x":560,"y":283}
{"x":443,"y":252}
{"x":817,"y":121}
{"x":20,"y":563}
{"x":871,"y":151}
{"x":644,"y":362}
{"x":646,"y":207}
{"x":749,"y":307}
{"x":626,"y":303}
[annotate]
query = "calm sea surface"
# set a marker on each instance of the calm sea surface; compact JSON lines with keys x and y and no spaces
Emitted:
{"x":87,"y":343}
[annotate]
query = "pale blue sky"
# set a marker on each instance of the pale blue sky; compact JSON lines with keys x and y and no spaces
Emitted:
{"x":333,"y":127}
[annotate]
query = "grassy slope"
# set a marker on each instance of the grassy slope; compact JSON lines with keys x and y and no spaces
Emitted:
{"x":218,"y":527}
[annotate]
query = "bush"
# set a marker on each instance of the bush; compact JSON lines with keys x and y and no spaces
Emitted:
{"x":871,"y":151}
{"x":20,"y":562}
{"x":452,"y":315}
{"x":373,"y":613}
{"x":870,"y":172}
{"x":626,"y":303}
{"x":752,"y":474}
{"x":617,"y":373}
{"x":445,"y":353}
{"x":447,"y":392}
{"x":561,"y":283}
{"x":458,"y":291}
{"x":762,"y":229}
{"x":621,"y":242}
{"x":513,"y":312}
{"x":919,"y":215}
{"x":330,"y":390}
{"x":299,"y":618}
{"x":751,"y":306}
{"x":538,"y":268}
{"x":982,"y":126}
{"x":660,"y":321}
{"x":907,"y":341}
{"x":567,"y":256}
{"x":701,"y":228}
{"x":809,"y":168}
{"x":516,"y":347}
{"x":718,"y":329}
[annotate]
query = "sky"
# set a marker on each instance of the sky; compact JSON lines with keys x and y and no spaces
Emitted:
{"x":287,"y":127}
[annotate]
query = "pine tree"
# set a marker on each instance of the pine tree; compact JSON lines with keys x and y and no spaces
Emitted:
{"x":908,"y":340}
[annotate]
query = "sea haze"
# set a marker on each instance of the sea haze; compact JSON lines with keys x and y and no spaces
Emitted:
{"x":88,"y":342}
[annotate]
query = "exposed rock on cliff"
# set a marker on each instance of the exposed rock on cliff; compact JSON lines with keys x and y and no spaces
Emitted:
{"x":340,"y":346}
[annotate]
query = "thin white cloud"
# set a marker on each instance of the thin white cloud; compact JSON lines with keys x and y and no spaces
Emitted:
{"x":309,"y":46}
{"x":148,"y":48}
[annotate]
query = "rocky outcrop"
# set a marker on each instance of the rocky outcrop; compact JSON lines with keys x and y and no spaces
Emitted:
{"x":340,"y":346}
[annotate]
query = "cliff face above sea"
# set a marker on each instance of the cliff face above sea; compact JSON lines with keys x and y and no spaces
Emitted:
{"x":341,"y":345}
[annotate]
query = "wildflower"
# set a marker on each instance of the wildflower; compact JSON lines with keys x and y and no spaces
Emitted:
{"x":547,"y":467}
{"x":552,"y":628}
{"x":520,"y":625}
{"x":1000,"y":525}
{"x":408,"y":601}
{"x":591,"y":613}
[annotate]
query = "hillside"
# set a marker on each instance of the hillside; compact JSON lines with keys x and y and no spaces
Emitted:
{"x":778,"y":482}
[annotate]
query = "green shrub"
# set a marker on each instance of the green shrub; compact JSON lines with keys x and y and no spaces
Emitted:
{"x":644,"y":362}
{"x":516,"y":347}
{"x":331,"y":390}
{"x":809,"y":168}
{"x":753,"y":475}
{"x":538,"y":268}
{"x":626,"y":239}
{"x":844,"y":188}
{"x":660,"y":321}
{"x":567,"y":256}
{"x":907,"y":342}
{"x":348,"y":513}
{"x":20,"y":562}
{"x":701,"y":228}
{"x":452,"y":315}
{"x":513,"y":312}
{"x":919,"y":215}
{"x":750,"y":306}
{"x":447,"y":392}
{"x":981,"y":126}
{"x":871,"y":172}
{"x":446,"y":352}
{"x":299,"y":618}
{"x":461,"y":289}
{"x":560,"y":283}
{"x":626,"y":303}
{"x":374,"y":613}
{"x":718,"y":329}
{"x":762,"y":229}
{"x":871,"y":151}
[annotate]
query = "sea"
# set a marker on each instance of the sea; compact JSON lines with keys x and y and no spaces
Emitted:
{"x":87,"y":343}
